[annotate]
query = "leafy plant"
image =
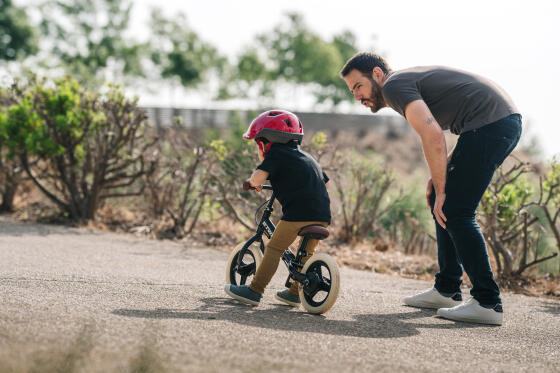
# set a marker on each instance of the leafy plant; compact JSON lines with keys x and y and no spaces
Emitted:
{"x":10,"y":168}
{"x":237,"y":160}
{"x":89,"y":146}
{"x":364,"y":188}
{"x":179,"y":183}
{"x":409,"y":222}
{"x":510,"y":221}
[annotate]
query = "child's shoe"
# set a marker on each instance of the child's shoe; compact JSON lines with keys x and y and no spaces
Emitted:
{"x":287,"y":297}
{"x":243,"y":293}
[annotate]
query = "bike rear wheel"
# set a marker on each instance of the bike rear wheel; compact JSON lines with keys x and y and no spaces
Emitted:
{"x":243,"y":274}
{"x":323,"y":275}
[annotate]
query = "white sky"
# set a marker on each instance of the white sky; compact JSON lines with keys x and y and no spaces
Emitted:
{"x":515,"y":43}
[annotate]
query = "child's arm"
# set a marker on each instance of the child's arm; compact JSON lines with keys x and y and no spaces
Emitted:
{"x":258,"y":178}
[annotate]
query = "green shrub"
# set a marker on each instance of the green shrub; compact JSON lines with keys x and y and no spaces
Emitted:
{"x":10,"y":167}
{"x":517,"y":218}
{"x":409,"y":221}
{"x":237,"y":160}
{"x":363,"y":186}
{"x":88,"y":146}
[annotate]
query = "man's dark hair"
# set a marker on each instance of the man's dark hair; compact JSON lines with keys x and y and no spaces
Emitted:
{"x":364,"y":62}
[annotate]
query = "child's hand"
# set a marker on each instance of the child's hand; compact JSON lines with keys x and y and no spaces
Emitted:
{"x":247,"y":185}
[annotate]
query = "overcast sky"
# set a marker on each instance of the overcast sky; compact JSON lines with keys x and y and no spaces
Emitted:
{"x":515,"y":43}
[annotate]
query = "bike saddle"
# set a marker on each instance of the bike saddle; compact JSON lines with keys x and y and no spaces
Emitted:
{"x":317,"y":232}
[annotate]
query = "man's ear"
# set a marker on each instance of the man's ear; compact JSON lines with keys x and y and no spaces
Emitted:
{"x":377,"y":73}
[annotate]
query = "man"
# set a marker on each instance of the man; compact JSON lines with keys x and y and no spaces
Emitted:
{"x":433,"y":99}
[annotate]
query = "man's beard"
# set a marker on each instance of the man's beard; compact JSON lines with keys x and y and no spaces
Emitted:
{"x":376,"y":97}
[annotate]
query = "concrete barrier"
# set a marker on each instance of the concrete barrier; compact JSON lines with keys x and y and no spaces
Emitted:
{"x":220,"y":119}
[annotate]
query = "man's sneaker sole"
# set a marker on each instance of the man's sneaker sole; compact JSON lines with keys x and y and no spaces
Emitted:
{"x":435,"y":306}
{"x":293,"y":304}
{"x":468,"y":319}
{"x":241,"y":299}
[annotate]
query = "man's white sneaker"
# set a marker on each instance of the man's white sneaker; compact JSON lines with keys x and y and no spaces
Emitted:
{"x":431,"y":298}
{"x":472,"y":311}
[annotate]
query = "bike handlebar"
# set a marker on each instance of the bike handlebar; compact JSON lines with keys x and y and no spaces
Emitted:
{"x":248,"y":186}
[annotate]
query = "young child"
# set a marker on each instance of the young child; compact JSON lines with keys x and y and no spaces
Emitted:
{"x":300,"y":187}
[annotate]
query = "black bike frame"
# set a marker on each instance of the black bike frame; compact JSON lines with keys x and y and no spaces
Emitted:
{"x":265,"y":227}
{"x":293,"y":262}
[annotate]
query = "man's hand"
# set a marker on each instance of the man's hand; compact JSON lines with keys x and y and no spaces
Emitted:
{"x":429,"y":192}
{"x":438,"y":206}
{"x":438,"y":210}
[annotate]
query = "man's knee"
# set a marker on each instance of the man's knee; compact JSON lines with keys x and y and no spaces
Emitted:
{"x":460,"y":221}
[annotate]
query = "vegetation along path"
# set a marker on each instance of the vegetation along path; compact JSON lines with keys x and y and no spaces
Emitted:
{"x":89,"y":301}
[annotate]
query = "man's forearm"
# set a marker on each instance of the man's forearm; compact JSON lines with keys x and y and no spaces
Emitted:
{"x":436,"y":157}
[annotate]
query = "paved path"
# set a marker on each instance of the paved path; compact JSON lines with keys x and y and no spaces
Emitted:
{"x":118,"y":295}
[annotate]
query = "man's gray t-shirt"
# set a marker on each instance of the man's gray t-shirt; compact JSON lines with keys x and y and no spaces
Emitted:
{"x":460,"y":101}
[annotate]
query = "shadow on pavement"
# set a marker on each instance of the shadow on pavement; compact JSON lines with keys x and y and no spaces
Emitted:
{"x":394,"y":325}
{"x":552,"y":308}
{"x":19,"y":229}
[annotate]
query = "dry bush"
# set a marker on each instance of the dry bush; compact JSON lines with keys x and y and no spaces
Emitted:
{"x":180,"y":182}
{"x":512,"y":222}
{"x":237,"y":160}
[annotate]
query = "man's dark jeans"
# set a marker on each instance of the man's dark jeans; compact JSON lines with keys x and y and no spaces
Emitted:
{"x":477,"y":155}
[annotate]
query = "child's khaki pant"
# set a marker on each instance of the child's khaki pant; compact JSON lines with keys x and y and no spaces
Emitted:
{"x":283,"y":236}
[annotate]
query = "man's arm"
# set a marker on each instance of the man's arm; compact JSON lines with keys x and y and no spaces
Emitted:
{"x":433,"y":143}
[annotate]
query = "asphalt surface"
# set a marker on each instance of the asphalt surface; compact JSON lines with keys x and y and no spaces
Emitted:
{"x":126,"y":293}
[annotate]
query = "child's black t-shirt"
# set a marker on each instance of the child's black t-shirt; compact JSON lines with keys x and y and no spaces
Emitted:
{"x":298,"y":182}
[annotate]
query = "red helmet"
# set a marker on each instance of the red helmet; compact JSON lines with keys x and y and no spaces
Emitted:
{"x":275,"y":126}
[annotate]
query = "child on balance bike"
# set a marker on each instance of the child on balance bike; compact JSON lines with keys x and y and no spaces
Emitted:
{"x":301,"y":188}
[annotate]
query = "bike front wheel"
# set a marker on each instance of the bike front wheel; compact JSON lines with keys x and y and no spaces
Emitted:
{"x":242,"y":274}
{"x":321,"y":292}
